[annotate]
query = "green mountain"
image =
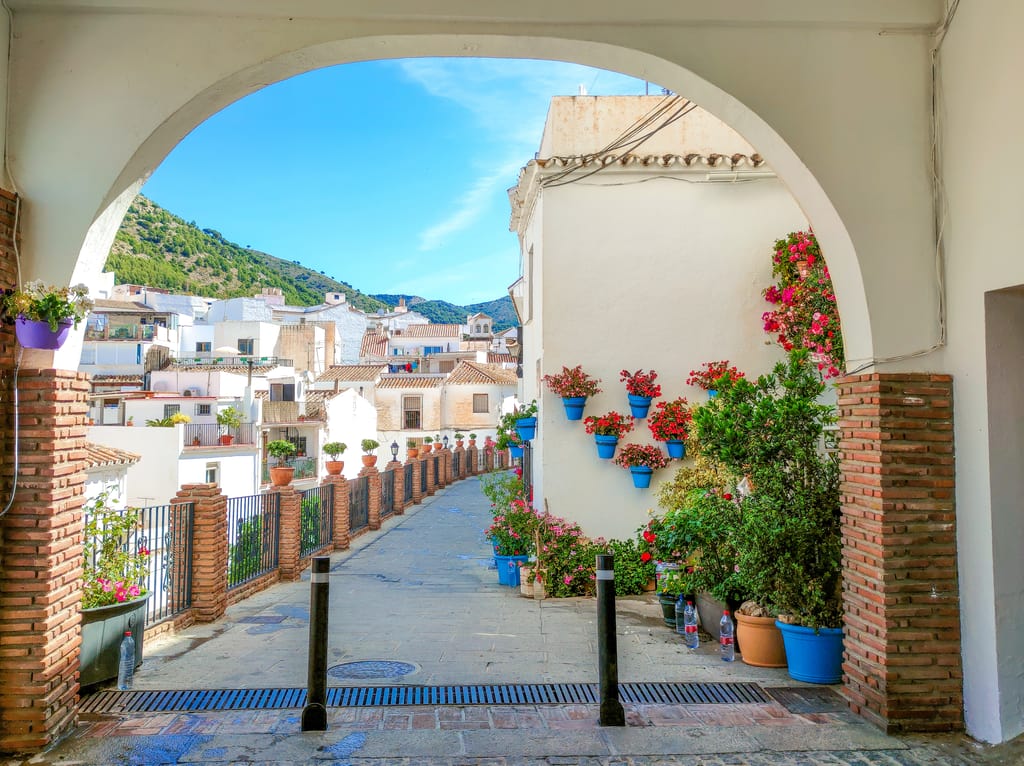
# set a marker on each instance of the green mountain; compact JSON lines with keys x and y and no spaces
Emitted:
{"x":443,"y":312}
{"x":157,"y":248}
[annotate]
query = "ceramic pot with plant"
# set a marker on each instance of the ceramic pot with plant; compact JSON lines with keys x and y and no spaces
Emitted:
{"x":670,"y":423}
{"x":44,"y":315}
{"x":607,"y":430}
{"x":458,"y":439}
{"x":472,"y":440}
{"x":412,"y":449}
{"x":711,"y":374}
{"x":642,"y":460}
{"x":574,"y":386}
{"x":228,"y":419}
{"x":526,"y":422}
{"x":334,"y":450}
{"x":438,"y":444}
{"x":280,"y":473}
{"x":369,"y":447}
{"x":641,"y":390}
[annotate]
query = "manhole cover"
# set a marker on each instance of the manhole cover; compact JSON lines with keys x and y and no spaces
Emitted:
{"x":371,"y":669}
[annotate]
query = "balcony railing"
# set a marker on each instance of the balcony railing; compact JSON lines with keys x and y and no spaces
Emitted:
{"x":208,"y":434}
{"x":231,"y":361}
{"x":305,"y":468}
{"x":129,"y":332}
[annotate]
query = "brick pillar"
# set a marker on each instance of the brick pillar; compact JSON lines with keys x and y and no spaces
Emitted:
{"x":290,"y":542}
{"x":488,"y":458}
{"x":417,"y":470}
{"x":41,"y":554}
{"x":443,"y":479}
{"x":470,"y":460}
{"x":398,"y":487}
{"x":463,"y":457}
{"x":373,"y":489}
{"x":341,"y":520}
{"x":901,"y":595}
{"x":209,"y":549}
{"x":428,"y":466}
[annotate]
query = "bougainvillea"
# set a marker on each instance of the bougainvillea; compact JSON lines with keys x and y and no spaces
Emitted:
{"x":805,"y":314}
{"x":670,"y":420}
{"x":609,"y":424}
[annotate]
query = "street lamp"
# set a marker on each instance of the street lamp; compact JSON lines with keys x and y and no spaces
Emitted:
{"x":394,"y":451}
{"x":445,"y":440}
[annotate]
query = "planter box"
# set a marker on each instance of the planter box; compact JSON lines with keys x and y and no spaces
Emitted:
{"x":103,"y":627}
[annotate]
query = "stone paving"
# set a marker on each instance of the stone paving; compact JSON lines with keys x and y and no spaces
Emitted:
{"x":421,"y":592}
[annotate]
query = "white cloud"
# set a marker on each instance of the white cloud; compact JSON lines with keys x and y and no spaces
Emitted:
{"x":469,"y":207}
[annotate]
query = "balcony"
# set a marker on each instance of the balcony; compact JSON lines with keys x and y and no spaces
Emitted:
{"x":305,"y":468}
{"x":240,"y":360}
{"x":131,"y":332}
{"x":208,"y":435}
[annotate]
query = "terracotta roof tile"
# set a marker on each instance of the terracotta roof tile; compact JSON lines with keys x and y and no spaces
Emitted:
{"x":731,"y":161}
{"x":472,"y":372}
{"x":99,"y":455}
{"x":409,"y":381}
{"x":433,"y":331}
{"x":351,"y":372}
{"x":493,"y":358}
{"x":107,"y":379}
{"x":374,"y":344}
{"x":237,"y":369}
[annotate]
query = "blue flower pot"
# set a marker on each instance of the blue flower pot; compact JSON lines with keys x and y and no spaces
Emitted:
{"x":574,"y":407}
{"x":515,"y":451}
{"x":641,"y":476}
{"x":526,"y":428}
{"x":676,"y":448}
{"x":813,"y":656}
{"x":639,"y":405}
{"x":712,"y":393}
{"x":606,"y":446}
{"x":508,"y":569}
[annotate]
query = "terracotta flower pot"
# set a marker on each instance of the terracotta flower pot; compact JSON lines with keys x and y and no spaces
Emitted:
{"x":226,"y":439}
{"x":369,"y":460}
{"x":334,"y":467}
{"x":761,"y":641}
{"x":438,"y":446}
{"x":281,"y":476}
{"x":458,"y":442}
{"x":413,"y":453}
{"x":472,"y":442}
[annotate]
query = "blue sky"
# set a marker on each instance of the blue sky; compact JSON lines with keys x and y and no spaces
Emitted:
{"x":388,"y":175}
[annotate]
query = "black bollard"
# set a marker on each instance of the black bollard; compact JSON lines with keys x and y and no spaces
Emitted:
{"x":314,"y":714}
{"x":612,"y":713}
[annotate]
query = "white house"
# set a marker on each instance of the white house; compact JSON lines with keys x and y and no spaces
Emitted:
{"x":106,"y":470}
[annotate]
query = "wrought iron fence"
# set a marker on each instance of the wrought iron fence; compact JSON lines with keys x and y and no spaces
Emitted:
{"x":209,"y":434}
{"x":254,"y":526}
{"x":437,"y":464}
{"x":387,"y":493}
{"x":316,"y":525}
{"x":456,"y":465}
{"x":424,"y":477}
{"x":166,"y":532}
{"x":359,"y":503}
{"x":407,"y":485}
{"x":305,"y":468}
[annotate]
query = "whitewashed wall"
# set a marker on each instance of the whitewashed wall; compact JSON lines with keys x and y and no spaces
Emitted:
{"x":112,"y":478}
{"x":350,"y":419}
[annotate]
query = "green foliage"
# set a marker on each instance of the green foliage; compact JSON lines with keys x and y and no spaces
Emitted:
{"x":631,"y":574}
{"x":115,"y":562}
{"x":502,"y":489}
{"x":170,"y":420}
{"x":309,"y":524}
{"x":231,"y":417}
{"x":246,"y":554}
{"x":501,"y":311}
{"x":369,"y":445}
{"x":334,"y":449}
{"x":282,"y":449}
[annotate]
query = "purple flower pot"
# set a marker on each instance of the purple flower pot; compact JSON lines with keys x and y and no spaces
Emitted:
{"x":32,"y":333}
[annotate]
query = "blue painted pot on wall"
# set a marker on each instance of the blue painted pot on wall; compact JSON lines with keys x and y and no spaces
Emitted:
{"x":676,"y":448}
{"x":508,"y":569}
{"x":606,"y":446}
{"x":526,"y":428}
{"x":574,"y":407}
{"x":814,"y":657}
{"x":641,"y":476}
{"x":515,"y":451}
{"x":639,"y":405}
{"x":712,"y":393}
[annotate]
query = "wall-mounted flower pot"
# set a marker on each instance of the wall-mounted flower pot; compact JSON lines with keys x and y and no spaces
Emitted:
{"x":712,"y":393}
{"x":515,"y":451}
{"x":526,"y":428}
{"x":605,"y":446}
{"x":32,"y":333}
{"x":103,"y":627}
{"x":641,"y":476}
{"x":281,"y":475}
{"x":334,"y":467}
{"x":574,"y":407}
{"x":676,"y":448}
{"x":638,"y":405}
{"x":813,"y":656}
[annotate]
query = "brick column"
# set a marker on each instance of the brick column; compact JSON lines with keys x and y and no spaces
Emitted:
{"x":290,"y":539}
{"x":901,"y":595}
{"x":428,"y":466}
{"x":442,"y":468}
{"x":417,"y":470}
{"x":41,"y":559}
{"x":209,"y":549}
{"x":398,"y":487}
{"x":488,"y":458}
{"x":373,"y":488}
{"x":341,"y":520}
{"x":446,"y":463}
{"x":471,"y":458}
{"x":463,"y":457}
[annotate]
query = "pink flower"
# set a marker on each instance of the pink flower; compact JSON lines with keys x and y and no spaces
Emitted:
{"x":567,"y":579}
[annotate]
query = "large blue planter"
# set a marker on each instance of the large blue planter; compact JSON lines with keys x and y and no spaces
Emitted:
{"x":574,"y":407}
{"x":515,"y":451}
{"x":813,"y":656}
{"x":639,"y":405}
{"x":508,"y":569}
{"x":526,"y":428}
{"x":103,"y":628}
{"x":606,"y":446}
{"x":676,"y":448}
{"x":641,"y":476}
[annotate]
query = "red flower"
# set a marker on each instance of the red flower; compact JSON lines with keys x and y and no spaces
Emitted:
{"x":727,"y":496}
{"x":641,"y":383}
{"x":645,"y":557}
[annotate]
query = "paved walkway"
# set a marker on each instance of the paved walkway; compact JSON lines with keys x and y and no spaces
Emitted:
{"x":422,"y":592}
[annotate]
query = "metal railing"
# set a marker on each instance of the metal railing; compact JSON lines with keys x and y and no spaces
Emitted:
{"x":424,"y":477}
{"x":316,"y":525}
{"x":305,"y":468}
{"x":237,"y":360}
{"x":456,"y":465}
{"x":387,"y":493}
{"x":254,"y":525}
{"x":437,"y":466}
{"x":165,"y":531}
{"x":407,"y":486}
{"x":208,"y":434}
{"x":359,"y":503}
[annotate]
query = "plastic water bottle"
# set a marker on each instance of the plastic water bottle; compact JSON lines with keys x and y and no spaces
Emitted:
{"x":680,"y":616}
{"x":725,"y":637}
{"x":126,"y":665}
{"x":690,"y":616}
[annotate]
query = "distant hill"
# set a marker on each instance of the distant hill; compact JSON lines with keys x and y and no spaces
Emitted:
{"x":157,"y":248}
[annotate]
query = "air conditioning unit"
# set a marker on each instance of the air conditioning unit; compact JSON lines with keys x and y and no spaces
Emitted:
{"x":191,"y":392}
{"x":188,"y":392}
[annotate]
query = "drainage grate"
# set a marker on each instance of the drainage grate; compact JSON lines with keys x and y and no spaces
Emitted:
{"x":388,"y":696}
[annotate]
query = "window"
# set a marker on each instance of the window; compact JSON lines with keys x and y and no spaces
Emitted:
{"x":411,"y":409}
{"x":300,"y":445}
{"x":480,"y":403}
{"x":478,"y":329}
{"x":171,"y":409}
{"x":203,"y":347}
{"x":433,"y":350}
{"x":202,"y":409}
{"x":213,"y":473}
{"x":487,"y":328}
{"x":282,"y":392}
{"x":245,"y":346}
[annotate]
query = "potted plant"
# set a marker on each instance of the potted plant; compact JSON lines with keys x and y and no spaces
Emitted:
{"x":574,"y":386}
{"x":170,"y":421}
{"x":369,"y":447}
{"x":641,"y":389}
{"x":412,"y":449}
{"x":43,"y":315}
{"x":670,"y":423}
{"x":227,"y":419}
{"x":642,"y":460}
{"x":607,"y":430}
{"x":526,"y":421}
{"x":472,"y":440}
{"x":130,"y":421}
{"x":711,"y":374}
{"x":115,"y":571}
{"x":438,"y":444}
{"x":458,"y":439}
{"x":428,"y":441}
{"x":281,"y":450}
{"x":334,"y":449}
